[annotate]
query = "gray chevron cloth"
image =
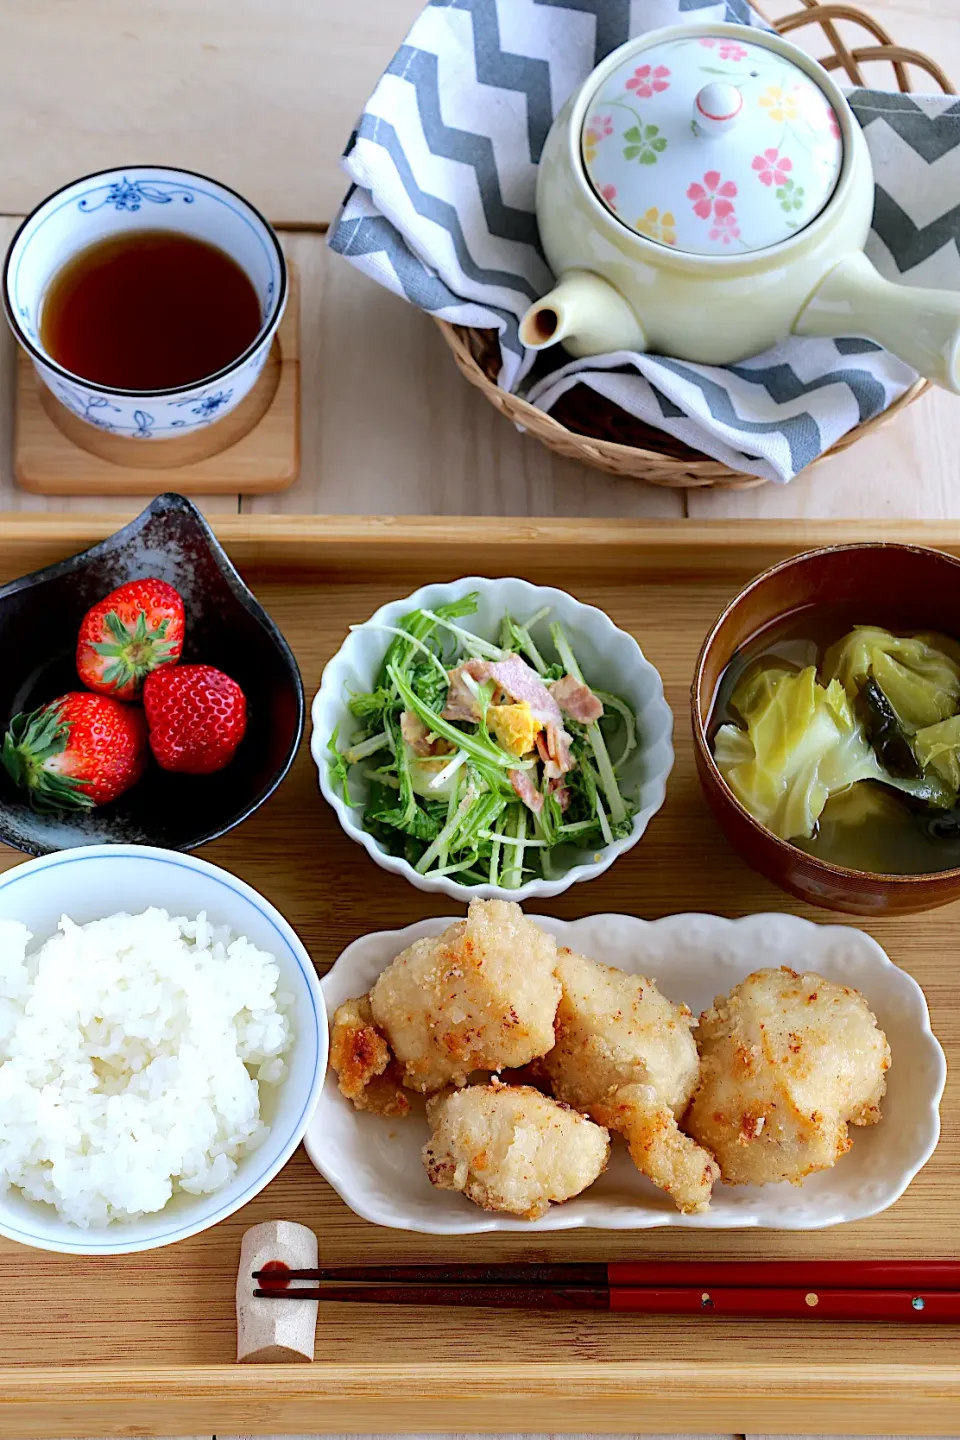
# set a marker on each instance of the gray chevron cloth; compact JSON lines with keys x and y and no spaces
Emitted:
{"x":441,"y":210}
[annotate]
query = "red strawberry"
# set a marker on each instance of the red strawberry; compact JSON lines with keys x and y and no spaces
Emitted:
{"x":127,"y":634}
{"x":197,"y":718}
{"x":79,"y":751}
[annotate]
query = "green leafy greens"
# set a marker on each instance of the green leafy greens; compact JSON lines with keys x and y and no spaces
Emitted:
{"x":444,"y":793}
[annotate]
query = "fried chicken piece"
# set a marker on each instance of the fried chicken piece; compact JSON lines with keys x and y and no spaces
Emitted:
{"x":625,"y":1054}
{"x":481,"y":996}
{"x":788,"y":1061}
{"x":509,"y":1148}
{"x":366,"y":1070}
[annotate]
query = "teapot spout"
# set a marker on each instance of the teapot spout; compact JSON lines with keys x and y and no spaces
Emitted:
{"x":586,"y":315}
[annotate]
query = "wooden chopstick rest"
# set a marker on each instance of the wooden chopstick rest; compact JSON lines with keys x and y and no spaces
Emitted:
{"x":269,"y":1334}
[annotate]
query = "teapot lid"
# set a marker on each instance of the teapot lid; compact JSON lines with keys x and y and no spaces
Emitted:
{"x":712,"y":143}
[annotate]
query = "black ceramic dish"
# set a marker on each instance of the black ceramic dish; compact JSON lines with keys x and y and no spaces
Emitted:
{"x":40,"y":615}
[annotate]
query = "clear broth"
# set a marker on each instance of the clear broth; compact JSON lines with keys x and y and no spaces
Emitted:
{"x":149,"y":310}
{"x":895,"y":845}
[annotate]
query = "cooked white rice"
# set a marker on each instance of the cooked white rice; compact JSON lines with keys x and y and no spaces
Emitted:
{"x":130,"y":1055}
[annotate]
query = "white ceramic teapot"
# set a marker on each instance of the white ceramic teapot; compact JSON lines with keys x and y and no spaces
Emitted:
{"x":708,"y":191}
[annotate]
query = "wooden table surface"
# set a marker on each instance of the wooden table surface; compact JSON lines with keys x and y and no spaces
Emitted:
{"x":263,"y":96}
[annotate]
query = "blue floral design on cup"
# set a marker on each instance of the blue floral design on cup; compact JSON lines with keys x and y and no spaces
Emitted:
{"x":92,"y":408}
{"x":130,"y":195}
{"x":209,"y":405}
{"x":112,"y":203}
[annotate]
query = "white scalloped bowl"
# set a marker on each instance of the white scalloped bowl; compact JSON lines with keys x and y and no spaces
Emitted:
{"x":374,"y":1164}
{"x":611,"y":660}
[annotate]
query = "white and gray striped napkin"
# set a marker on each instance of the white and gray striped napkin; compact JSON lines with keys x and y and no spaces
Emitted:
{"x":441,"y":210}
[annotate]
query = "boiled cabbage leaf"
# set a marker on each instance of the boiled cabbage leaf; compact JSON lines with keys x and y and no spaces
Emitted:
{"x":802,"y":744}
{"x":757,"y":685}
{"x":920,"y":675}
{"x":871,"y":805}
{"x":937,"y":747}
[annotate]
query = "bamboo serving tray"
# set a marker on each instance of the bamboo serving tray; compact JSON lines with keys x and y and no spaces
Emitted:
{"x":145,"y":1344}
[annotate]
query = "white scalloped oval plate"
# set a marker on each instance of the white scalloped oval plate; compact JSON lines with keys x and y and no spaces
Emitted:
{"x":374,"y":1163}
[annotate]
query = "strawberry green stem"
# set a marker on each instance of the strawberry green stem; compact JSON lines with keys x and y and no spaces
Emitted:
{"x":30,"y":741}
{"x":134,"y":652}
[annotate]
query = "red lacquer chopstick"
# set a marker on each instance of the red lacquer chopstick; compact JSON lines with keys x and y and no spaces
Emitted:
{"x":910,"y":1306}
{"x":930,"y":1307}
{"x":751,"y":1274}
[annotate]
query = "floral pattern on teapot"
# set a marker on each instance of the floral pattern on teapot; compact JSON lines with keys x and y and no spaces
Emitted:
{"x":712,"y":146}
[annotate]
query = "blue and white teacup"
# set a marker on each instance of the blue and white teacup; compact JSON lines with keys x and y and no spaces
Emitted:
{"x":111,"y":203}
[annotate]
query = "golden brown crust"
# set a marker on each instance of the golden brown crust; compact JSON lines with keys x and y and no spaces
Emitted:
{"x":625,"y":1054}
{"x":481,"y":996}
{"x":676,"y":1164}
{"x":511,"y":1149}
{"x":366,"y":1071}
{"x":788,"y":1061}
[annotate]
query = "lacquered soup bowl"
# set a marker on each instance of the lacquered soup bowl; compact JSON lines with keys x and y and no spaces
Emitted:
{"x":905,"y":588}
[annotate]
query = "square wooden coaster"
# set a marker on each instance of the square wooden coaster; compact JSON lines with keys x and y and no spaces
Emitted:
{"x":254,"y":450}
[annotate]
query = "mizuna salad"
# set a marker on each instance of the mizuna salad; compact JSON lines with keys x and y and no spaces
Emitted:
{"x":482,"y":759}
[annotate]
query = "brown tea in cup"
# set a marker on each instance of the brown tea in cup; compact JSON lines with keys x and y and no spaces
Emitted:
{"x":149,"y":310}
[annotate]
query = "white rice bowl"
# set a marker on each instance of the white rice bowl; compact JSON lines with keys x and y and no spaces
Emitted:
{"x":93,"y":881}
{"x":132,"y":1054}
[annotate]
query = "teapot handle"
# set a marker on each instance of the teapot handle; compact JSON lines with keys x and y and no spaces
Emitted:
{"x":920,"y":327}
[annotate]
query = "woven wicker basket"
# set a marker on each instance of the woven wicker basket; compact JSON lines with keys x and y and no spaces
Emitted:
{"x":587,"y":427}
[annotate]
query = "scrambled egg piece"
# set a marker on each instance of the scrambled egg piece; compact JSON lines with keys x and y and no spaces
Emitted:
{"x":514,"y":726}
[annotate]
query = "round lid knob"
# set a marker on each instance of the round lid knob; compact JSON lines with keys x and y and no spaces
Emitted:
{"x":717,"y":108}
{"x":713,"y":141}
